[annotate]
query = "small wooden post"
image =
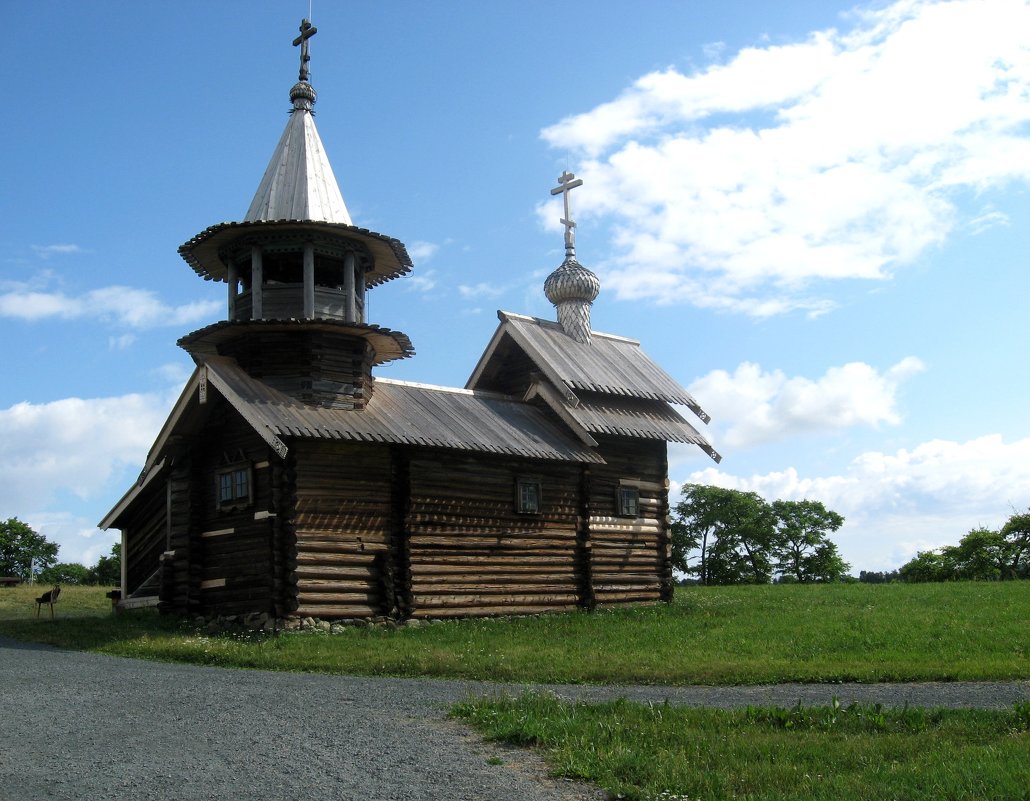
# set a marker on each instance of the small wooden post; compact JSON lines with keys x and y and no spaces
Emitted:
{"x":125,"y":563}
{"x":309,"y":280}
{"x":233,"y":280}
{"x":257,"y":279}
{"x":350,"y":313}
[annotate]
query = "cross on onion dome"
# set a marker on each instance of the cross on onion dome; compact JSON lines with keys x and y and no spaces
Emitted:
{"x":567,"y":182}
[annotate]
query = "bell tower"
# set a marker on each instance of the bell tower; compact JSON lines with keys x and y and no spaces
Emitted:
{"x":297,"y":272}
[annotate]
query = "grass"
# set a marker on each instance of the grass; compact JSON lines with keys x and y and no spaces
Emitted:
{"x":668,"y":753}
{"x":714,"y":635}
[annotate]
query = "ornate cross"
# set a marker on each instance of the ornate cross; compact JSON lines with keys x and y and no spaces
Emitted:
{"x":307,"y":30}
{"x":567,"y":182}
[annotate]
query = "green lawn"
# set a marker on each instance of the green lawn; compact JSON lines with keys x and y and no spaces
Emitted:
{"x":714,"y":635}
{"x":709,"y":635}
{"x":669,"y":753}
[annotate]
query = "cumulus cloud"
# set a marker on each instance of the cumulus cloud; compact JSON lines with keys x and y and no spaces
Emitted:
{"x":73,"y":446}
{"x":422,"y":251}
{"x":424,"y":281}
{"x":746,"y":184}
{"x":909,"y":500}
{"x":136,"y":308}
{"x":46,"y":251}
{"x":755,"y":406}
{"x":480,"y":291}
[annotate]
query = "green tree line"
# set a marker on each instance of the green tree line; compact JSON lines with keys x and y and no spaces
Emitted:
{"x":30,"y":556}
{"x":981,"y":555}
{"x":725,"y":536}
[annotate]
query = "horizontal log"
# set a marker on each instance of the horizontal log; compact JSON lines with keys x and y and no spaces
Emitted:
{"x":436,"y":558}
{"x":305,"y":543}
{"x":323,"y":558}
{"x":328,"y":611}
{"x":639,"y":524}
{"x":456,"y":550}
{"x":625,"y":597}
{"x":336,"y":598}
{"x":334,"y":571}
{"x":612,"y":546}
{"x":353,"y":585}
{"x":435,"y":538}
{"x":422,"y":589}
{"x":481,"y":611}
{"x":435,"y":601}
{"x":440,"y":573}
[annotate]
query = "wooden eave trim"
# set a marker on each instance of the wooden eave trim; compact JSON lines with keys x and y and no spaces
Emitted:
{"x":549,"y":396}
{"x":243,"y":409}
{"x":537,"y":359}
{"x":485,"y":359}
{"x":147,"y":476}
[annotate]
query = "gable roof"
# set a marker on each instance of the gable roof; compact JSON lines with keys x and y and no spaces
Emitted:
{"x":608,"y":364}
{"x":624,"y":417}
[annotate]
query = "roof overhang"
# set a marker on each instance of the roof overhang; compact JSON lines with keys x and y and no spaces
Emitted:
{"x":388,"y":345}
{"x":389,"y":255}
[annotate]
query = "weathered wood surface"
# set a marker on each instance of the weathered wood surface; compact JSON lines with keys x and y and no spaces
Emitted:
{"x":342,"y":526}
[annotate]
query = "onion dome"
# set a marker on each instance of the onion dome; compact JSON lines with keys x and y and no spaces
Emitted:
{"x":572,"y":288}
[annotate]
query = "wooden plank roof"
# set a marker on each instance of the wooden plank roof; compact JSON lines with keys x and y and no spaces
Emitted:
{"x":643,"y":419}
{"x":608,"y":364}
{"x":398,"y":412}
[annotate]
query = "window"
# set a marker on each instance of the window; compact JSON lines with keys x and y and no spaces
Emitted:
{"x":234,"y":487}
{"x":628,"y":501}
{"x":527,"y":496}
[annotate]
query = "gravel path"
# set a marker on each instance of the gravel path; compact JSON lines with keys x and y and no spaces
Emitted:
{"x":78,"y":725}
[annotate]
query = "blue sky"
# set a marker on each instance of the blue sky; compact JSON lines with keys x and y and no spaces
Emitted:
{"x":811,"y":214}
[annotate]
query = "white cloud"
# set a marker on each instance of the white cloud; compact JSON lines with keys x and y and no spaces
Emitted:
{"x":46,"y":251}
{"x":422,"y":251}
{"x":73,"y":453}
{"x":136,"y":308}
{"x":73,"y":446}
{"x":424,"y":282}
{"x":753,"y":406}
{"x":740,"y":185}
{"x":480,"y":291}
{"x":898,"y":503}
{"x":123,"y":342}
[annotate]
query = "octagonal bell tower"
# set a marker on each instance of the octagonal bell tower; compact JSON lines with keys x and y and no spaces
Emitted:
{"x":297,"y":271}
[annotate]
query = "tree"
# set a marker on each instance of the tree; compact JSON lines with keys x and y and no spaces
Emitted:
{"x":732,"y":530}
{"x":928,"y":566}
{"x":23,"y":551}
{"x":108,"y":569}
{"x":979,"y":556}
{"x":64,"y":573}
{"x":1016,"y":533}
{"x":802,"y":549}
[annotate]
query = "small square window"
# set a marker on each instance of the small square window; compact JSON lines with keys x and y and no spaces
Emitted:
{"x":234,"y":486}
{"x":527,"y":496}
{"x":629,"y":502}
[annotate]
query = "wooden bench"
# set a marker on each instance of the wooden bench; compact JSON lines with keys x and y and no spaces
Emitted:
{"x":48,"y":597}
{"x":9,"y":581}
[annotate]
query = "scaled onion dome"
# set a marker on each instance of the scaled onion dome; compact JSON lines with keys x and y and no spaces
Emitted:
{"x":572,"y":288}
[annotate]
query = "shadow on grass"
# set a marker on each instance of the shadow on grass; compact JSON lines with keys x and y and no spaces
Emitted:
{"x":88,"y":632}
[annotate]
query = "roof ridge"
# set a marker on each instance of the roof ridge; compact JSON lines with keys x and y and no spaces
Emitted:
{"x":504,"y":316}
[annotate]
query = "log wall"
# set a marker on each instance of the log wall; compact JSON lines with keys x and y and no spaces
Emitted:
{"x":342,"y":522}
{"x":470,"y":553}
{"x":229,"y":550}
{"x":630,"y":558}
{"x":148,"y":533}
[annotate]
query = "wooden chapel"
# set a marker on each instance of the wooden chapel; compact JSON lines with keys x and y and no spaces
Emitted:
{"x":289,"y":480}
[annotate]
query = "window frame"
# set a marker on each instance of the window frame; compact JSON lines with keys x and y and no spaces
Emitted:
{"x":624,"y":496}
{"x":239,"y":497}
{"x":528,"y":482}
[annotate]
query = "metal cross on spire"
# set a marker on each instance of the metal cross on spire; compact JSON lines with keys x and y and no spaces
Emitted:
{"x":307,"y":30}
{"x":567,"y":182}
